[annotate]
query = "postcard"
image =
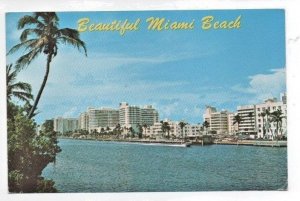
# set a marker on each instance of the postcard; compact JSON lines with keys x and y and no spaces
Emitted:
{"x":146,"y":101}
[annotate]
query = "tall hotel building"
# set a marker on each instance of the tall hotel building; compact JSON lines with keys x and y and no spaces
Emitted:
{"x":64,"y":125}
{"x":218,"y":121}
{"x":131,"y":116}
{"x":103,"y":117}
{"x":149,"y":115}
{"x":84,"y":121}
{"x":247,"y":114}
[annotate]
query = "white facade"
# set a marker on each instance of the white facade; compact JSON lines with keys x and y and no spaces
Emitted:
{"x":218,"y":121}
{"x":192,"y":130}
{"x":188,"y":130}
{"x":132,"y":116}
{"x":103,"y":117}
{"x":149,"y":115}
{"x":247,"y":124}
{"x":265,"y":127}
{"x":83,"y":122}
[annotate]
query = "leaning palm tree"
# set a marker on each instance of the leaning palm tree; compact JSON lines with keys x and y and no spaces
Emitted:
{"x":19,"y":90}
{"x":42,"y":35}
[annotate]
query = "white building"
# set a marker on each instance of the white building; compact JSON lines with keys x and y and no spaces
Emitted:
{"x":191,"y":130}
{"x":149,"y":115}
{"x":266,"y":128}
{"x":102,"y":118}
{"x":175,"y":131}
{"x":218,"y":121}
{"x":132,"y":116}
{"x":247,"y":114}
{"x":64,"y":125}
{"x":83,"y":121}
{"x":232,"y":126}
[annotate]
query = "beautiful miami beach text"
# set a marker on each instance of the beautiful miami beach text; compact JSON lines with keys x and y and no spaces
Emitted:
{"x":159,"y":24}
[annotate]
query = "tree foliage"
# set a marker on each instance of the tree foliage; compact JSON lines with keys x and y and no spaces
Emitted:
{"x":29,"y":153}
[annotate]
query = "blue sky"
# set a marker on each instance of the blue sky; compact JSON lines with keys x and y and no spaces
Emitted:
{"x":179,"y":72}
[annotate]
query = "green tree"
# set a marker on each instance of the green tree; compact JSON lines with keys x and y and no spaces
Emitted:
{"x":29,"y":153}
{"x":205,"y":125}
{"x":182,"y":125}
{"x":277,"y":117}
{"x":41,"y":35}
{"x":140,"y":129}
{"x":237,"y":120}
{"x":145,"y":126}
{"x":165,"y":127}
{"x":20,"y":90}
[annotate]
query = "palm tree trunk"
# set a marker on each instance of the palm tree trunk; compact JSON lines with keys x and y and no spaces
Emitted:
{"x":36,"y":101}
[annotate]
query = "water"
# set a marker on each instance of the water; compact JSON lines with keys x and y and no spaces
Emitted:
{"x":93,"y":166}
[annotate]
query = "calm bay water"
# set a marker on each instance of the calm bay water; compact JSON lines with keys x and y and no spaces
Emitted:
{"x":93,"y":166}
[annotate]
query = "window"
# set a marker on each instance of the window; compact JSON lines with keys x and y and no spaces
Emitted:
{"x":258,"y":109}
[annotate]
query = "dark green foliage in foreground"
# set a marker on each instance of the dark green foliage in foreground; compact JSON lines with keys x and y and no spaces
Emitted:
{"x":28,"y":152}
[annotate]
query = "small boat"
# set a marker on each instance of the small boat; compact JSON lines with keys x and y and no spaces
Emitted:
{"x":169,"y":144}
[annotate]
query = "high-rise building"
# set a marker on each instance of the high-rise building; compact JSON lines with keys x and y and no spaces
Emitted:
{"x":64,"y":125}
{"x":247,"y":115}
{"x":132,"y":116}
{"x":103,"y":117}
{"x":207,"y":115}
{"x":218,"y":121}
{"x":84,"y":121}
{"x":129,"y":115}
{"x":149,"y":115}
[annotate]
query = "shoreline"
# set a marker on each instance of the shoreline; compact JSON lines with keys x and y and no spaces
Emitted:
{"x":257,"y":143}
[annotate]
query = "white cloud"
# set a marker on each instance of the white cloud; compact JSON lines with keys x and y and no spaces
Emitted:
{"x":263,"y":86}
{"x":72,"y":112}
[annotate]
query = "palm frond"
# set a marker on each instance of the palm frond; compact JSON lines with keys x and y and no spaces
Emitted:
{"x":26,"y":59}
{"x":29,"y":20}
{"x":47,"y":17}
{"x":24,"y":44}
{"x":22,"y":86}
{"x":24,"y":96}
{"x":28,"y":32}
{"x":76,"y":42}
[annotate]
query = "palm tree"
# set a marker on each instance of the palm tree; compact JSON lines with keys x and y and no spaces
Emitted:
{"x":182,"y":125}
{"x":268,"y":126}
{"x":205,"y":125}
{"x":42,"y":35}
{"x":237,"y":120}
{"x":145,"y":126}
{"x":165,"y":127}
{"x":20,"y":90}
{"x":277,"y":118}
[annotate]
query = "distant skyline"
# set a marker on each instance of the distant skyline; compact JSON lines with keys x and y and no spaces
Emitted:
{"x":178,"y":72}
